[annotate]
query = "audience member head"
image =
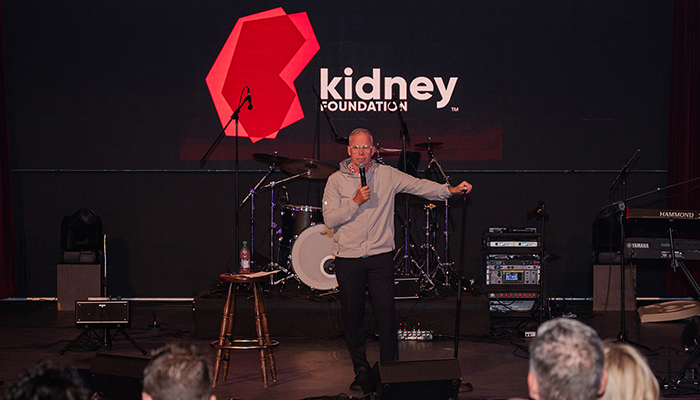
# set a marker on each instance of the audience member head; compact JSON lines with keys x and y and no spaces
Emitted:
{"x":46,"y":382}
{"x":177,"y":373}
{"x":629,"y":375}
{"x":566,"y":362}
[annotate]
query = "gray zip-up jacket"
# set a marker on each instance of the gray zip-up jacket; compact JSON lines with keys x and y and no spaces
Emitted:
{"x":368,"y":229}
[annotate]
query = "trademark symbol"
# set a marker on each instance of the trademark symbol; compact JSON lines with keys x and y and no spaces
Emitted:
{"x":455,"y":109}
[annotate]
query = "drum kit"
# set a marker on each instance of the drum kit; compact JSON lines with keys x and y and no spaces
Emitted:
{"x":304,"y":251}
{"x":304,"y":245}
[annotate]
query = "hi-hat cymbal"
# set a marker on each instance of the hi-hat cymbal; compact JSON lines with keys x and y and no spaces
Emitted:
{"x":428,"y":145}
{"x":270,"y":158}
{"x":310,"y":168}
{"x":384,"y":150}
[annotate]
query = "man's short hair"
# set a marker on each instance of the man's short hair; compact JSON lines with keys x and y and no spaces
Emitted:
{"x":357,"y":131}
{"x":45,"y":381}
{"x":567,"y":360}
{"x":177,"y":373}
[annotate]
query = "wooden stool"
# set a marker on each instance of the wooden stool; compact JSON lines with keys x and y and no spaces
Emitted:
{"x":226,"y":343}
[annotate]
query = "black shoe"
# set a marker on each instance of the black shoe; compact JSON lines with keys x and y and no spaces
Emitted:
{"x":360,"y":378}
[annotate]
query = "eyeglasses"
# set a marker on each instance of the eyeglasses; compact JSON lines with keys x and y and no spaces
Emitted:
{"x":356,"y":148}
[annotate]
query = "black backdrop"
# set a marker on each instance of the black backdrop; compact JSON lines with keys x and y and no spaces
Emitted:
{"x":108,"y":109}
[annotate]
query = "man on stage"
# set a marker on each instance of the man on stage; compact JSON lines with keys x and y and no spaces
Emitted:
{"x":362,"y":219}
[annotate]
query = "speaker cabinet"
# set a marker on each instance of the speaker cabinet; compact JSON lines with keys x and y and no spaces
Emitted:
{"x":77,"y":282}
{"x":97,"y":313}
{"x":607,"y":288}
{"x":417,"y":380}
{"x":118,"y":377}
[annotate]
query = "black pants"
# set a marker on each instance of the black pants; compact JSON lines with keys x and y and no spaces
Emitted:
{"x":376,"y":274}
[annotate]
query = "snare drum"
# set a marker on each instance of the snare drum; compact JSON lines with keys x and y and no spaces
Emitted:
{"x":297,"y":218}
{"x":312,"y":258}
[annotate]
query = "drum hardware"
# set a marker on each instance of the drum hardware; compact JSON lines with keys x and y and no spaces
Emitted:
{"x":428,"y":145}
{"x":382,"y":151}
{"x":432,"y":258}
{"x":274,"y":160}
{"x":274,"y":263}
{"x":309,"y":168}
{"x":305,"y":242}
{"x":298,"y":219}
{"x":445,"y":268}
{"x":251,"y":196}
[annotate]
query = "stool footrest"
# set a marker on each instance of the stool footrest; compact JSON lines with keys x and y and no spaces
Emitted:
{"x":233,"y":346}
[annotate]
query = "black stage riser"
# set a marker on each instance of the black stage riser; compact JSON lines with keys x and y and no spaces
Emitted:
{"x":295,"y":315}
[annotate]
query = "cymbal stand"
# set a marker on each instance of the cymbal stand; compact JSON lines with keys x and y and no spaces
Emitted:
{"x":251,"y":196}
{"x":430,"y":252}
{"x":444,"y":267}
{"x":406,"y":260}
{"x":380,"y":159}
{"x":274,"y":264}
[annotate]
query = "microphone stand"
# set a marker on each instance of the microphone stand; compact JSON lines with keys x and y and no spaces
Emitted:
{"x":543,"y":306}
{"x":460,"y":272}
{"x":204,"y":158}
{"x":334,"y":134}
{"x":620,"y":207}
{"x":458,"y":307}
{"x":622,"y":179}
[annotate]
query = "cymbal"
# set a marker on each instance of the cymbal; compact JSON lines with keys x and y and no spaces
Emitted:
{"x":428,"y":145}
{"x":312,"y":169}
{"x":384,"y":150}
{"x":270,"y":158}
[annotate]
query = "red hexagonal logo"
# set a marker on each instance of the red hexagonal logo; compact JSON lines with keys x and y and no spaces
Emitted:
{"x":266,"y":52}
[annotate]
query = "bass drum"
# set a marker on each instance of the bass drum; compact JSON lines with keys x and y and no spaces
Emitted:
{"x":312,"y":258}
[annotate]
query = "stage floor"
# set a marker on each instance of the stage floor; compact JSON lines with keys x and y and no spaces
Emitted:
{"x":495,"y":364}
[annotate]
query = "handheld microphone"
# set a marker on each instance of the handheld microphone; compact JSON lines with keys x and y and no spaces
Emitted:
{"x":363,"y":177}
{"x":250,"y":100}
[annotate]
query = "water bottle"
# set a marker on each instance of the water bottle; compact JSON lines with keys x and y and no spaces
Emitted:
{"x":245,"y":259}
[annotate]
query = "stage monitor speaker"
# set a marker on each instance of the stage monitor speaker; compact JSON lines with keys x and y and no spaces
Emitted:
{"x":105,"y":313}
{"x":406,"y":287}
{"x":118,"y":377}
{"x":417,"y":380}
{"x":77,"y":282}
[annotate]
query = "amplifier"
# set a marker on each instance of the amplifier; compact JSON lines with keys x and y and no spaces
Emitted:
{"x":80,"y":257}
{"x":508,"y":306}
{"x":102,"y":312}
{"x":513,"y":243}
{"x":510,"y":272}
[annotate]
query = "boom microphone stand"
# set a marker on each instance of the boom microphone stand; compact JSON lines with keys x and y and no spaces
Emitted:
{"x":622,"y":178}
{"x":204,"y":158}
{"x":543,"y":306}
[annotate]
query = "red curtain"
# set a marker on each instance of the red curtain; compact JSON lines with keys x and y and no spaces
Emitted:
{"x":684,"y":125}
